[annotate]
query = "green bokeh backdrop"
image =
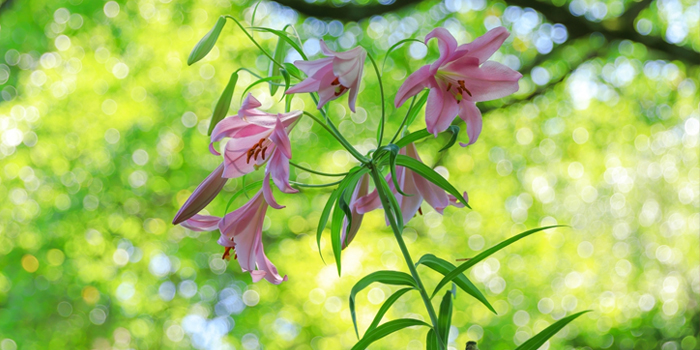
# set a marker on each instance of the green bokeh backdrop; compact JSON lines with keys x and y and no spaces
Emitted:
{"x":103,"y":136}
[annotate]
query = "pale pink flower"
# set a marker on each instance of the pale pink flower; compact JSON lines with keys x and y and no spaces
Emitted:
{"x":459,"y":78}
{"x":255,"y":138}
{"x":332,"y":76}
{"x":241,"y":231}
{"x":356,"y":219}
{"x":202,"y":195}
{"x":414,"y":185}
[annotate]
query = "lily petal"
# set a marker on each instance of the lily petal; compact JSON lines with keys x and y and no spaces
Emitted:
{"x":490,"y":81}
{"x":472,"y":116}
{"x":267,"y":193}
{"x":441,"y":108}
{"x":484,"y":46}
{"x":202,"y":223}
{"x":414,"y":84}
{"x":447,"y":45}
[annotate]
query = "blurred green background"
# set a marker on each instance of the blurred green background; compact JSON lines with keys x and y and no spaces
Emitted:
{"x":103,"y":136}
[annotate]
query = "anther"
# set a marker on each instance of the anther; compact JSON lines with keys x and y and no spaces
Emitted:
{"x":335,"y":82}
{"x":461,"y":83}
{"x":449,"y":86}
{"x":420,"y":210}
{"x":263,"y":152}
{"x":256,"y":153}
{"x":261,"y":142}
{"x":227,"y":254}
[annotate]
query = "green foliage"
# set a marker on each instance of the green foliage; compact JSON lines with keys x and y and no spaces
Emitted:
{"x":104,"y":135}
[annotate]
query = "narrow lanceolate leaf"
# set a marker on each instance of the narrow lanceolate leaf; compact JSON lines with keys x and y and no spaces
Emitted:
{"x":445,"y":316}
{"x":412,"y":137}
{"x":485,"y":254}
{"x":324,"y":218}
{"x":416,"y":109}
{"x":386,"y":329}
{"x":274,"y":69}
{"x":336,"y":227}
{"x":284,"y":36}
{"x":384,"y":190}
{"x":207,"y":42}
{"x":224,"y":102}
{"x":395,"y":278}
{"x":454,"y":129}
{"x":431,"y":342}
{"x":292,"y":69}
{"x":444,"y":267}
{"x":393,"y":152}
{"x":287,"y":82}
{"x":430,"y":175}
{"x":535,"y":342}
{"x":385,"y":307}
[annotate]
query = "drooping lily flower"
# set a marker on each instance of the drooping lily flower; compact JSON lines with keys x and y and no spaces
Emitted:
{"x":459,"y":78}
{"x":414,"y":185}
{"x":332,"y":76}
{"x":202,"y":195}
{"x":255,"y":138}
{"x":359,"y":192}
{"x":241,"y":232}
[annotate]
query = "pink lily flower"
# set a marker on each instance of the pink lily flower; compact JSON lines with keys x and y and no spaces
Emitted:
{"x":332,"y":76}
{"x":416,"y":186}
{"x":459,"y":78}
{"x":257,"y":137}
{"x":202,"y":195}
{"x":356,"y":221}
{"x":241,"y":231}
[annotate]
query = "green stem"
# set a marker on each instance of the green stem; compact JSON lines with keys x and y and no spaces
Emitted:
{"x":377,"y":177}
{"x":300,"y":184}
{"x":403,"y":122}
{"x":253,"y":40}
{"x":380,"y":132}
{"x":315,"y":171}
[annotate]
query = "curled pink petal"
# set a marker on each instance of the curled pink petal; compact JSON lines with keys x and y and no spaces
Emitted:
{"x":472,"y":117}
{"x":332,"y":76}
{"x":267,"y":193}
{"x":414,"y":84}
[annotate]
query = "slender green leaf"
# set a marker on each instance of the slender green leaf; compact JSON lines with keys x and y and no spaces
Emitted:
{"x":444,"y":267}
{"x":344,"y":205}
{"x":284,"y":36}
{"x":412,"y":137}
{"x":417,"y":108}
{"x":430,"y":175}
{"x":287,"y":82}
{"x":224,"y":103}
{"x":385,"y":307}
{"x":260,"y":81}
{"x":454,"y":129}
{"x":395,"y":278}
{"x":445,"y":316}
{"x":274,"y":69}
{"x":485,"y":254}
{"x":207,"y":42}
{"x":255,"y":11}
{"x":293,"y":70}
{"x":431,"y":341}
{"x":324,"y":219}
{"x":393,"y":151}
{"x":345,"y":189}
{"x":384,"y":190}
{"x":386,"y":329}
{"x":535,"y":342}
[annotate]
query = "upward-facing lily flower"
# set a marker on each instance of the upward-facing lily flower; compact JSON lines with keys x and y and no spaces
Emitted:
{"x":414,"y":185}
{"x":256,"y":137}
{"x":241,"y":231}
{"x":356,"y":220}
{"x":202,"y":195}
{"x":332,"y":76}
{"x":459,"y":78}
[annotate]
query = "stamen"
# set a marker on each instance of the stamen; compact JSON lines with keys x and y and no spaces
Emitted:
{"x":227,"y":254}
{"x":339,"y":90}
{"x":449,"y":86}
{"x":263,"y":152}
{"x":420,"y":210}
{"x":261,"y":142}
{"x":256,"y":154}
{"x":335,"y":82}
{"x":461,"y":83}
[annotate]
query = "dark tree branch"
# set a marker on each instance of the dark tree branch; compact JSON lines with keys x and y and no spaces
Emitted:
{"x":621,"y":28}
{"x":350,"y":12}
